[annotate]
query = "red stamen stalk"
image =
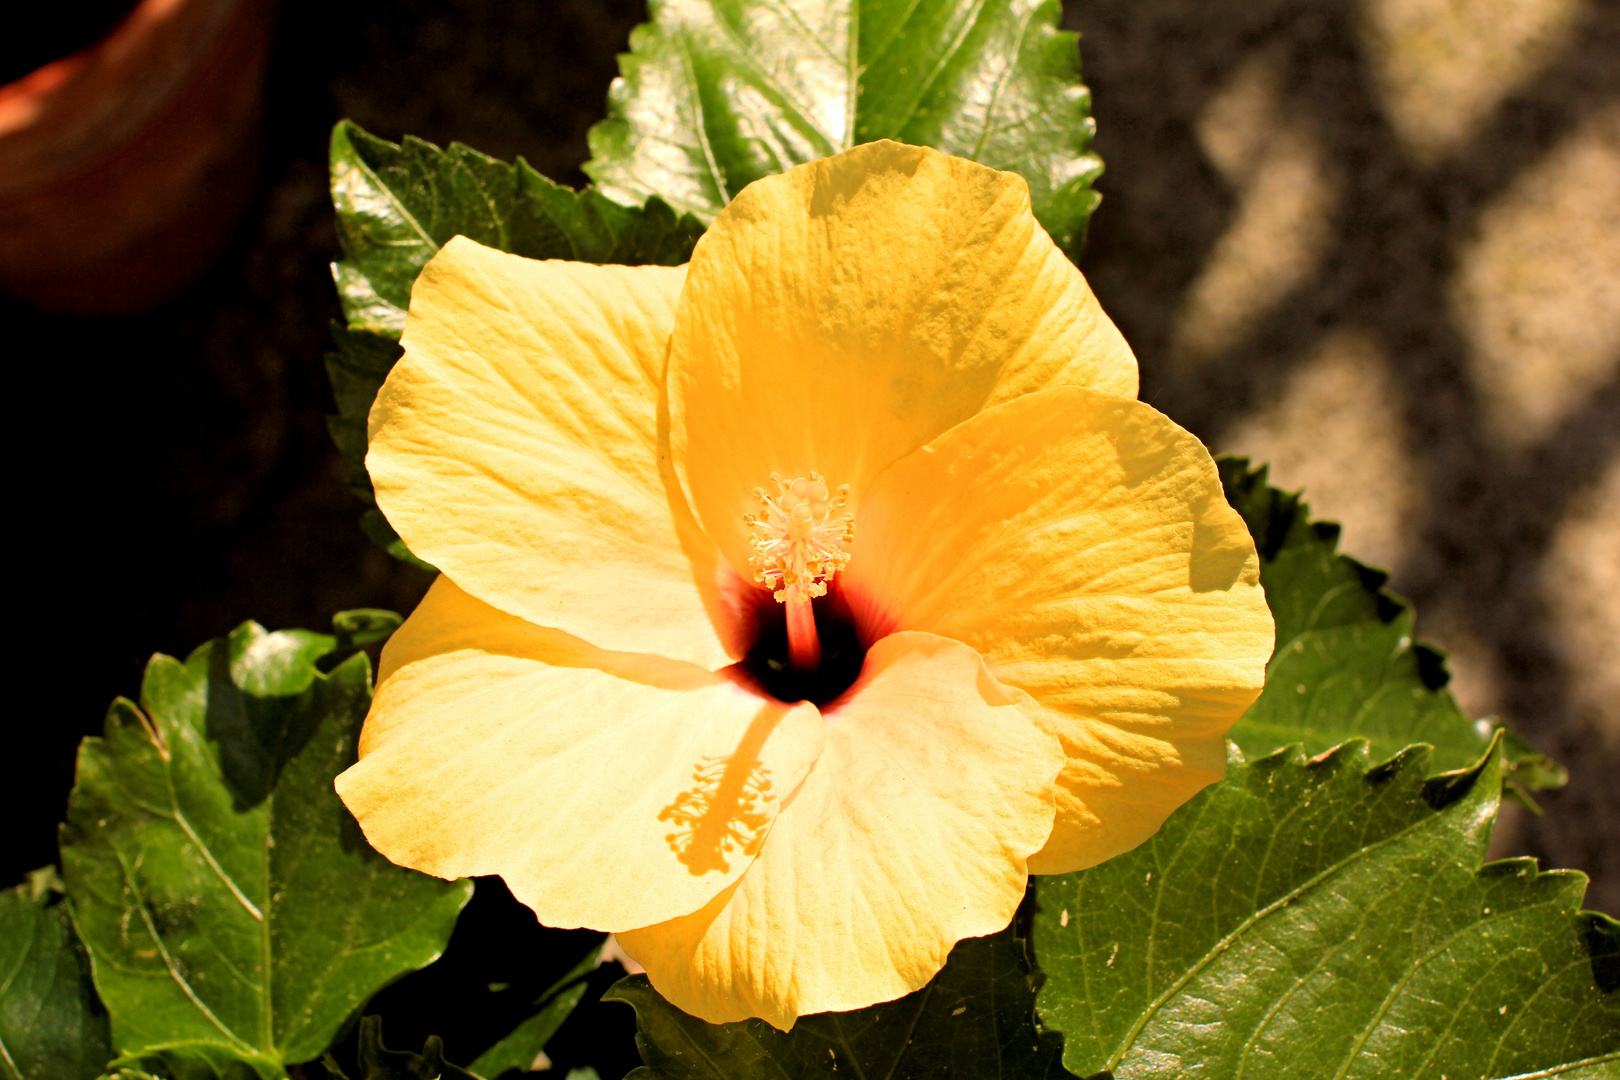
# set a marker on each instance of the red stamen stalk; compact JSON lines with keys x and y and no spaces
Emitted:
{"x":804,"y":647}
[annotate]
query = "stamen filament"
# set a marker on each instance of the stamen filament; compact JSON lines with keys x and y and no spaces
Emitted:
{"x":799,"y":543}
{"x":804,"y":645}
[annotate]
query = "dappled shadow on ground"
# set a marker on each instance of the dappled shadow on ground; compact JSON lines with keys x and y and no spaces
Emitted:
{"x":1377,"y":247}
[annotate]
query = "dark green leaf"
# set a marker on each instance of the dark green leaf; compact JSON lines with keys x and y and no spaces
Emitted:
{"x":396,"y":205}
{"x":974,"y":1021}
{"x":364,"y":626}
{"x":715,"y":94}
{"x":379,"y":1063}
{"x":52,"y":1027}
{"x":186,"y":1063}
{"x":523,"y":1046}
{"x":379,"y":532}
{"x":1345,"y":665}
{"x":356,"y":368}
{"x":235,"y":914}
{"x":1328,"y":918}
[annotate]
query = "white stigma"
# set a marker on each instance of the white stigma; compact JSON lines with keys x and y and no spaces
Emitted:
{"x":799,"y":544}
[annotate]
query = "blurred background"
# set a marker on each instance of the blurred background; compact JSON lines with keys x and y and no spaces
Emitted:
{"x":1374,"y":242}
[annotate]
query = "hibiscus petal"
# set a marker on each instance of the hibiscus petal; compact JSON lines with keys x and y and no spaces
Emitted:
{"x":1082,"y":544}
{"x":515,"y":447}
{"x":910,"y":834}
{"x":609,"y":790}
{"x":846,"y":312}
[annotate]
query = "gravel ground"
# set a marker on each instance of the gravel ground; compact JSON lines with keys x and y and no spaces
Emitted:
{"x":1373,"y":243}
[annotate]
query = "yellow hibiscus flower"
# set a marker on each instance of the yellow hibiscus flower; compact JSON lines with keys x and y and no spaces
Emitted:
{"x":799,"y":602}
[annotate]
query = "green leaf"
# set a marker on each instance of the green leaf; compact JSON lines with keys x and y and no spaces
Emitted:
{"x":234,"y":913}
{"x":1345,"y":665}
{"x":185,"y":1063}
{"x":523,"y":1046}
{"x":715,"y":94}
{"x":974,"y":1021}
{"x":379,"y":532}
{"x":358,"y":627}
{"x":377,"y":1062}
{"x":356,"y":368}
{"x":396,"y":205}
{"x":52,"y":1027}
{"x":1328,"y":918}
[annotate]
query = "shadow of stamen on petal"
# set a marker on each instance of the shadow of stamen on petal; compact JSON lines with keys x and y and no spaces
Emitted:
{"x":727,"y":809}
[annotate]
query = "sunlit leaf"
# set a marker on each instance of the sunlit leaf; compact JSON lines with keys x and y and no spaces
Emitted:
{"x":235,"y":915}
{"x":1328,"y":918}
{"x":1346,"y":665}
{"x":397,"y":205}
{"x":715,"y":94}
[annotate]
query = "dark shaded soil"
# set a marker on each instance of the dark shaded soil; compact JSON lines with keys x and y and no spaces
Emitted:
{"x":1487,"y":513}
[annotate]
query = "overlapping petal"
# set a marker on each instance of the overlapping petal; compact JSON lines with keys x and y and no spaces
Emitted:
{"x":910,"y":834}
{"x":1081,"y":543}
{"x":1063,"y":614}
{"x":609,"y":790}
{"x":843,"y":313}
{"x":515,"y":446}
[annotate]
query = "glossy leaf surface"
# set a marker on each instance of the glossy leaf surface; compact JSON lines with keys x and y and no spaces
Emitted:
{"x":1328,"y":918}
{"x":235,"y":914}
{"x":1346,"y":665}
{"x":974,"y":1021}
{"x":356,"y":368}
{"x":715,"y":94}
{"x":52,"y":1027}
{"x":397,"y":205}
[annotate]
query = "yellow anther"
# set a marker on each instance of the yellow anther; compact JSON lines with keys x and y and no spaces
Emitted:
{"x":800,"y":542}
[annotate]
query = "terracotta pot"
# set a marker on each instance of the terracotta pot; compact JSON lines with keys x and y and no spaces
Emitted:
{"x":124,"y":167}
